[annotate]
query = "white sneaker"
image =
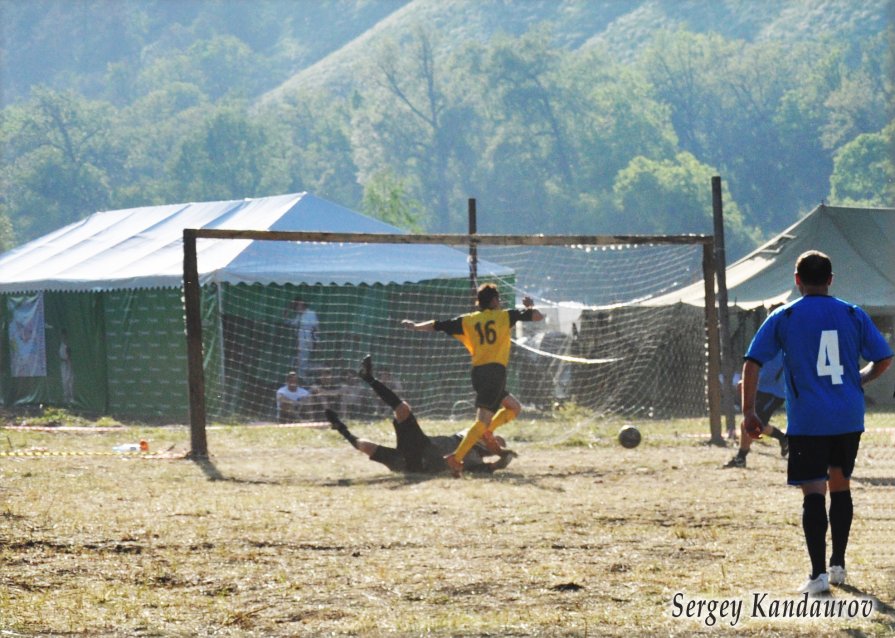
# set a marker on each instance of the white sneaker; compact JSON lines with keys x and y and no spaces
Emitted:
{"x":837,"y":574}
{"x":816,"y":585}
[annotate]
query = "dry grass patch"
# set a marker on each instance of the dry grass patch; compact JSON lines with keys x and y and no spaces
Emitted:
{"x":290,"y":532}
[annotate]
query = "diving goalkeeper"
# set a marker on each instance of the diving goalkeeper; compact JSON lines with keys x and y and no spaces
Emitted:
{"x":415,"y":451}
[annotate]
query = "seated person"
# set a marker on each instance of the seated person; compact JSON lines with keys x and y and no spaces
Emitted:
{"x":415,"y":451}
{"x":289,"y":398}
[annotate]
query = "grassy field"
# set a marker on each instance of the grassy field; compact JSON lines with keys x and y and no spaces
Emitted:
{"x":291,"y":532}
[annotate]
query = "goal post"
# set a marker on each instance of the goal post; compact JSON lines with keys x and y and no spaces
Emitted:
{"x":600,"y":347}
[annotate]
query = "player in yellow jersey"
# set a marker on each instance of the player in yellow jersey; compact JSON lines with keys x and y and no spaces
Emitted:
{"x":486,"y":334}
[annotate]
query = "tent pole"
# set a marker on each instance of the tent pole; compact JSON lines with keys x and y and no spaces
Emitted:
{"x":473,"y":249}
{"x":727,"y":365}
{"x":196,"y":376}
{"x":714,"y":354}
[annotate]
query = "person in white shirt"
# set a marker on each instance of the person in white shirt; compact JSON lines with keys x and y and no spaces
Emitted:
{"x":289,"y":398}
{"x":306,"y":325}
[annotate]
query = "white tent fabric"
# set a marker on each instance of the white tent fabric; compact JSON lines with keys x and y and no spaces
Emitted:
{"x":143,"y":248}
{"x":859,"y":241}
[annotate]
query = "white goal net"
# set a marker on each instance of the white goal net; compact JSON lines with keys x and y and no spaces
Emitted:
{"x":317,"y":307}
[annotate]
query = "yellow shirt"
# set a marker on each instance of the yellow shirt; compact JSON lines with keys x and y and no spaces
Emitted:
{"x":485,"y":333}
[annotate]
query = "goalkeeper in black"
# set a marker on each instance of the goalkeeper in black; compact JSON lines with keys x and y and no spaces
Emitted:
{"x":486,"y":334}
{"x":415,"y":451}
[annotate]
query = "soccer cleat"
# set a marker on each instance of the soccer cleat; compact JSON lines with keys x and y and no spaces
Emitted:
{"x":454,"y":465}
{"x":737,"y":461}
{"x":366,"y":368}
{"x":505,"y":457}
{"x":815,"y":585}
{"x":784,"y":446}
{"x":837,"y":574}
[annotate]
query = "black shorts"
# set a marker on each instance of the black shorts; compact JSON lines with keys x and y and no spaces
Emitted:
{"x":490,"y":384}
{"x":414,"y":453}
{"x":811,"y":457}
{"x":765,"y":406}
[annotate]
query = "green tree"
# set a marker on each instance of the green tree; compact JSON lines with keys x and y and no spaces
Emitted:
{"x":411,"y":118}
{"x":863,"y":100}
{"x":386,"y":198}
{"x":226,"y":158}
{"x":311,"y":145}
{"x":864,"y":170}
{"x":60,"y":161}
{"x":757,"y":111}
{"x":151,"y":129}
{"x":674,"y":197}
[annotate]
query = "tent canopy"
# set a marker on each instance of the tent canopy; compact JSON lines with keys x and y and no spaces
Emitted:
{"x":858,"y":240}
{"x":143,"y":248}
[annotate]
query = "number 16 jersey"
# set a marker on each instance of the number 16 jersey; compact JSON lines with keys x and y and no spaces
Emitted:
{"x":823,"y":341}
{"x":485,"y":333}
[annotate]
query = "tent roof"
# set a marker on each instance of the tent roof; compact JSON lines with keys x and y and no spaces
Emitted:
{"x":859,"y":241}
{"x":143,"y":248}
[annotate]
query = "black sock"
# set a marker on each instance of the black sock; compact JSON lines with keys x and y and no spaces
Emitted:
{"x":742,"y":453}
{"x":340,"y":427}
{"x":814,"y":524}
{"x":385,"y":393}
{"x":777,"y":433}
{"x":841,"y":512}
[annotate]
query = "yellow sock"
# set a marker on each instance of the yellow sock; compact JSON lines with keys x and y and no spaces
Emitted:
{"x":472,"y":435}
{"x":501,"y":417}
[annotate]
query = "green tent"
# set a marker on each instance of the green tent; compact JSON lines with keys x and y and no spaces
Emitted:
{"x":861,"y":244}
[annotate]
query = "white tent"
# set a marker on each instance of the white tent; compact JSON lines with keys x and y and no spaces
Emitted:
{"x":109,"y":287}
{"x":143,"y":248}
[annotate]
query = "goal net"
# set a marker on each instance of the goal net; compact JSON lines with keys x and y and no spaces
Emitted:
{"x":600,"y":347}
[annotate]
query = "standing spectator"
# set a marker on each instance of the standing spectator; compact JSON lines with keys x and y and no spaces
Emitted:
{"x":305,"y":322}
{"x":66,"y":370}
{"x":823,"y":340}
{"x":486,"y":333}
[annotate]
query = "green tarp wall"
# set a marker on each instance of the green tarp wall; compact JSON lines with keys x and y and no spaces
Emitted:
{"x":129,"y":348}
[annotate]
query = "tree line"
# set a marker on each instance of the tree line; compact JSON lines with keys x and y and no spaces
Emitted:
{"x":546,"y":139}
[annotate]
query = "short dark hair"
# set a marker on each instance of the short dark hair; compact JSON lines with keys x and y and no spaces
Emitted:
{"x":814,"y":268}
{"x":486,"y":294}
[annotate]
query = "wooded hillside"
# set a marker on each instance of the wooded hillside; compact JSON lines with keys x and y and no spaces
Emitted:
{"x":559,"y":117}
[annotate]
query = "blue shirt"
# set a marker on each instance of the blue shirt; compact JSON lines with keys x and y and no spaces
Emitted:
{"x":771,"y":379}
{"x":823,"y":340}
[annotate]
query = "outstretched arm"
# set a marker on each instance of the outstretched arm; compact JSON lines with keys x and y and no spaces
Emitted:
{"x":423,"y":326}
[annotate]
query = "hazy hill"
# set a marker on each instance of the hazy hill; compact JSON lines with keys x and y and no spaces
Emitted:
{"x":621,"y":25}
{"x":70,"y":44}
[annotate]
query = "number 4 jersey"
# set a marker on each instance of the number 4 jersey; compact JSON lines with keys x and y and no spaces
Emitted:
{"x":823,"y":340}
{"x":485,"y":333}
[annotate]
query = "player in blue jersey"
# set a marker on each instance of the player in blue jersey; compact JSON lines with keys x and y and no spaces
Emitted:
{"x":823,"y":340}
{"x":771,"y":395}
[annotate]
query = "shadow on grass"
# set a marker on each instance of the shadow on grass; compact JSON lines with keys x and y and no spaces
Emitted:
{"x":875,"y":482}
{"x":881,"y":608}
{"x":208,"y":468}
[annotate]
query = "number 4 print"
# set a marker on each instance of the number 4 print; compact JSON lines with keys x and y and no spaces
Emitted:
{"x":828,"y":357}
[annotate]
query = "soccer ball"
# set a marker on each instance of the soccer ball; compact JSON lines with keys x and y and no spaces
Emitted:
{"x":629,"y":436}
